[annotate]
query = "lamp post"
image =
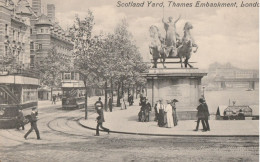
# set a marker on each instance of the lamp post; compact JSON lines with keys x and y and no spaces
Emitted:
{"x":203,"y":92}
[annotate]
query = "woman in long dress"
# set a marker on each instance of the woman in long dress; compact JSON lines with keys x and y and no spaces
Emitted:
{"x":168,"y":110}
{"x":161,"y":108}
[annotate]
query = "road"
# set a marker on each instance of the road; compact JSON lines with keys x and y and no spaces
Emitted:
{"x":63,"y":139}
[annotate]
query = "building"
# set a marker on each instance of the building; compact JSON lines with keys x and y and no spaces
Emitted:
{"x":36,"y":6}
{"x":18,"y":84}
{"x":51,"y":12}
{"x":229,"y":77}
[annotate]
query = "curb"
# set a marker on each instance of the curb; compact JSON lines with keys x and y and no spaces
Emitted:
{"x":166,"y":135}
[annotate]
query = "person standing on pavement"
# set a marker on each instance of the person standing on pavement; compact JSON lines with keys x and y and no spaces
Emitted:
{"x":100,"y":120}
{"x":110,"y":104}
{"x":33,"y":121}
{"x":201,"y":115}
{"x":174,"y":113}
{"x":206,"y":114}
{"x":161,"y":108}
{"x":54,"y":99}
{"x":168,"y":111}
{"x":156,"y":111}
{"x":20,"y":119}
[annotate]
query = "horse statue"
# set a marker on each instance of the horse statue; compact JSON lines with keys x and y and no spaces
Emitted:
{"x":171,"y":46}
{"x":185,"y":49}
{"x":156,"y":48}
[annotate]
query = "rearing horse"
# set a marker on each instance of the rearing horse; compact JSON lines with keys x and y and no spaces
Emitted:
{"x":185,"y":49}
{"x":156,"y":47}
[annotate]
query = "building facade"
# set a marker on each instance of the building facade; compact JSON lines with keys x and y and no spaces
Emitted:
{"x":36,"y":6}
{"x":51,"y":12}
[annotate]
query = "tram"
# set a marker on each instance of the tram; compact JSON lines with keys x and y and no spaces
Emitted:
{"x":73,"y":91}
{"x":17,"y":91}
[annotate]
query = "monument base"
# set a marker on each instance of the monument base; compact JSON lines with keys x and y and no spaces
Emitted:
{"x":175,"y":83}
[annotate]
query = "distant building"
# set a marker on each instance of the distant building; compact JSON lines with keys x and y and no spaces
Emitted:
{"x":36,"y":6}
{"x":51,"y":12}
{"x":229,"y":77}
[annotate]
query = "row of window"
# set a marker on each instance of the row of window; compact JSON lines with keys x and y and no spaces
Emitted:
{"x":16,"y":34}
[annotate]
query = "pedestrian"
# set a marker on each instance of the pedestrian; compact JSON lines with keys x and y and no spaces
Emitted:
{"x":206,"y":115}
{"x":123,"y":105}
{"x":156,"y":111}
{"x":54,"y":99}
{"x":99,"y":104}
{"x":33,"y":121}
{"x":161,"y":107}
{"x":148,"y":108}
{"x":168,"y":111}
{"x":20,"y":119}
{"x":174,"y":113}
{"x":100,"y":120}
{"x":110,"y":104}
{"x":201,"y":116}
{"x":130,"y":100}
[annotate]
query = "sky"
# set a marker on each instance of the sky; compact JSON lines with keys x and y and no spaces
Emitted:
{"x":222,"y":34}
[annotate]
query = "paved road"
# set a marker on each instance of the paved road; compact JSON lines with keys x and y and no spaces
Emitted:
{"x":64,"y":140}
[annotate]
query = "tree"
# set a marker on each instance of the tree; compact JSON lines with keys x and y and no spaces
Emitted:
{"x":50,"y":68}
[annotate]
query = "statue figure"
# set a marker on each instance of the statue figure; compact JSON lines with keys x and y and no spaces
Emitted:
{"x":156,"y":47}
{"x":171,"y":46}
{"x":185,"y":49}
{"x":171,"y":37}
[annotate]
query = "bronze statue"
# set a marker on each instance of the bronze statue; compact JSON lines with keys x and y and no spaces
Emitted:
{"x":171,"y":37}
{"x":185,"y":49}
{"x":171,"y":46}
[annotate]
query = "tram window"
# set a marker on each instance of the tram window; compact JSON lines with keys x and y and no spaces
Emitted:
{"x":67,"y":76}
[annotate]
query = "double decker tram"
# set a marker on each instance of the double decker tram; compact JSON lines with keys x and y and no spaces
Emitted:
{"x":73,"y":91}
{"x":17,"y":91}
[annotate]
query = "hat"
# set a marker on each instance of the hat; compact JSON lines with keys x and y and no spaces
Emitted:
{"x":201,"y":100}
{"x":174,"y":100}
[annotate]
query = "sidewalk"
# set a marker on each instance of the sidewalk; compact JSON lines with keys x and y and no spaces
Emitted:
{"x":126,"y":121}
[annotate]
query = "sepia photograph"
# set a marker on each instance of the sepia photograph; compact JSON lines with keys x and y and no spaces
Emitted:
{"x":129,"y":80}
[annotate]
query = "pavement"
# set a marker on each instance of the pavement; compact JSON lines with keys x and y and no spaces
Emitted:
{"x":126,"y":122}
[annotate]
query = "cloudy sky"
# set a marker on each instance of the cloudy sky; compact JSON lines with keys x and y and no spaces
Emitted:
{"x":222,"y":34}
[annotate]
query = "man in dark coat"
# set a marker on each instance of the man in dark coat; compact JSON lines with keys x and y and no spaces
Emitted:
{"x":33,"y":121}
{"x":201,"y":115}
{"x":100,"y":120}
{"x":206,"y":115}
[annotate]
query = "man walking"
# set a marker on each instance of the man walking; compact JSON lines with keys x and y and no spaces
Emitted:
{"x":201,"y":115}
{"x":33,"y":121}
{"x":206,"y":114}
{"x":100,"y":120}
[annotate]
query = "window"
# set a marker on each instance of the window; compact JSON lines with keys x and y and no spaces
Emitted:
{"x":13,"y":34}
{"x":6,"y":29}
{"x":18,"y":36}
{"x":13,"y":52}
{"x":47,"y":30}
{"x":42,"y":31}
{"x":31,"y":45}
{"x":32,"y":61}
{"x":67,"y":76}
{"x":29,"y":95}
{"x":31,"y":31}
{"x":40,"y":46}
{"x":6,"y":50}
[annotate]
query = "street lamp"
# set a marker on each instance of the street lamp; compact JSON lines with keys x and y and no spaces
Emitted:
{"x":203,"y":92}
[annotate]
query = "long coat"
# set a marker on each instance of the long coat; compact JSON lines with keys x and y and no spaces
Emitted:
{"x":200,"y":114}
{"x":168,"y":110}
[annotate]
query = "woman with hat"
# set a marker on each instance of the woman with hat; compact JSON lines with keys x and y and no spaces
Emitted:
{"x":161,"y":108}
{"x":168,"y":111}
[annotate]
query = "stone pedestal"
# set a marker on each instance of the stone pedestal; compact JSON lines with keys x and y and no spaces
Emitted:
{"x":181,"y":84}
